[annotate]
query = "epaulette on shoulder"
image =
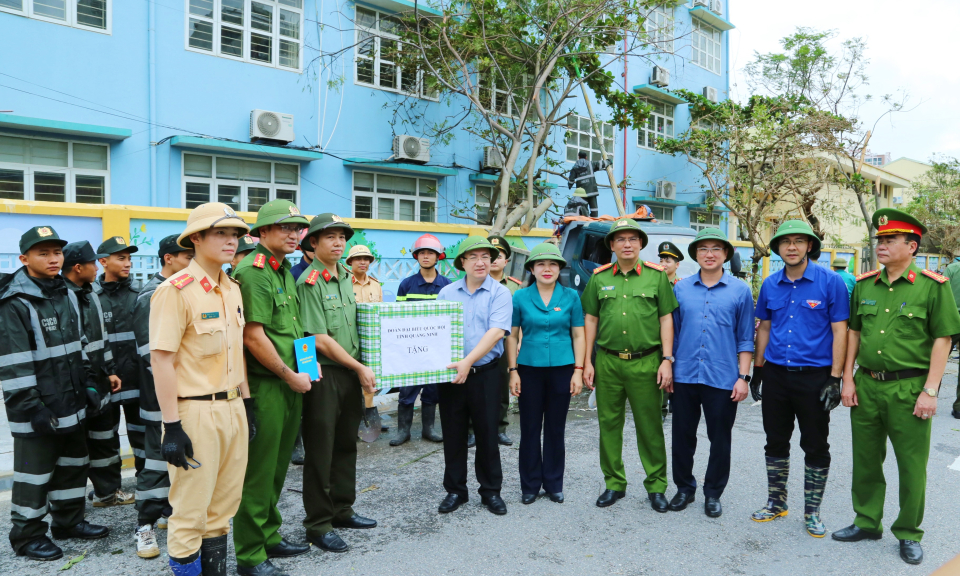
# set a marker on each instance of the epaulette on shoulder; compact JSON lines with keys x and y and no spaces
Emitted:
{"x":514,"y":279}
{"x":938,"y":277}
{"x":259,"y":261}
{"x":181,"y":282}
{"x":869,"y":274}
{"x":312,"y":277}
{"x":602,"y":268}
{"x":654,"y":266}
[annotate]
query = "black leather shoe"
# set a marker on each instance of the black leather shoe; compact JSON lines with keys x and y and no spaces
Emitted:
{"x":471,"y":440}
{"x":451,"y":503}
{"x":658,"y":501}
{"x":41,"y":549}
{"x":681,"y":500}
{"x":494,"y":504}
{"x":610,"y":497}
{"x":556,"y":497}
{"x":528,"y":498}
{"x":355,"y":522}
{"x":504,"y":440}
{"x":911,"y":552}
{"x":330,"y":542}
{"x":265,"y":568}
{"x":286,"y":550}
{"x":712,"y":507}
{"x":82,"y":530}
{"x":853,"y":533}
{"x":956,"y":414}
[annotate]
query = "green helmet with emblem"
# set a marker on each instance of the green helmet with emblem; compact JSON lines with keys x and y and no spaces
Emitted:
{"x":795,"y":227}
{"x":622,"y":224}
{"x":710,"y":234}
{"x":545,"y":251}
{"x":471,"y":243}
{"x":246,"y":244}
{"x":840,"y":263}
{"x":277,"y":212}
{"x":326,"y":221}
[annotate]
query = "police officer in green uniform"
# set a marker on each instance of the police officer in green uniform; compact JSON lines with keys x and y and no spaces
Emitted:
{"x":498,"y":273}
{"x":952,"y":271}
{"x":332,"y":410}
{"x":245,"y":245}
{"x":670,"y":258}
{"x":628,"y":308}
{"x":901,"y":321}
{"x":272,"y":314}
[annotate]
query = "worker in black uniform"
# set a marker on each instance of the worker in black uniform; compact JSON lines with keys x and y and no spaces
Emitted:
{"x":581,"y":176}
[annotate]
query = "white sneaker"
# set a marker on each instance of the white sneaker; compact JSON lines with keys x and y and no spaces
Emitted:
{"x":118,"y":498}
{"x":147,"y":542}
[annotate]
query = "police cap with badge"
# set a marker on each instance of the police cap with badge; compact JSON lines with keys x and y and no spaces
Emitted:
{"x":39,"y":234}
{"x":670,"y":249}
{"x":115,"y":245}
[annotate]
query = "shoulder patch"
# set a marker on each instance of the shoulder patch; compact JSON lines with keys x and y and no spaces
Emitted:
{"x":866,"y":275}
{"x":938,"y":277}
{"x":654,"y":266}
{"x":259,"y":260}
{"x":180,"y":282}
{"x":514,"y":279}
{"x":602,"y":268}
{"x":312,"y":278}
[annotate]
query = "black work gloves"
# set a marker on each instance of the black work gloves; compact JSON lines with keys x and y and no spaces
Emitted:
{"x":830,"y":393}
{"x":176,"y":446}
{"x":44,"y":421}
{"x":250,"y":405}
{"x":755,"y":383}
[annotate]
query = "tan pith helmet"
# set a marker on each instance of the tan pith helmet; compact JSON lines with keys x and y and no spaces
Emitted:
{"x":211,"y":215}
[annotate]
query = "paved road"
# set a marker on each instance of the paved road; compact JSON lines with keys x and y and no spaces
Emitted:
{"x":577,"y":538}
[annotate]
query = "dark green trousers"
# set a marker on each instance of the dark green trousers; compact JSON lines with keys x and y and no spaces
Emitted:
{"x":153,"y":482}
{"x":103,"y":445}
{"x":885,"y":410}
{"x":49,"y":475}
{"x":256,"y":526}
{"x":332,"y":411}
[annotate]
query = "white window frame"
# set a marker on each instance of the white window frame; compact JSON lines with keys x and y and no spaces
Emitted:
{"x":477,"y":203}
{"x":70,"y":17}
{"x":708,"y":222}
{"x":592,"y":153}
{"x":217,"y":24}
{"x":666,"y":212}
{"x":667,"y":122}
{"x":660,"y":28}
{"x":374,"y":196}
{"x":702,"y":37}
{"x":377,"y":35}
{"x":70,"y":188}
{"x":244,"y":185}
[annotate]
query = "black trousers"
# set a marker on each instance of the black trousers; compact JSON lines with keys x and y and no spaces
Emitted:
{"x":479,"y":400}
{"x":544,"y":402}
{"x":135,"y":430}
{"x":720,"y":412}
{"x":789,"y":395}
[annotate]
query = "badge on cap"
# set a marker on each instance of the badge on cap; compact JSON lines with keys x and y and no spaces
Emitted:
{"x":495,"y":241}
{"x":229,"y":211}
{"x":621,"y":223}
{"x":294,"y":211}
{"x":884,"y":220}
{"x":336,"y":218}
{"x":119,"y":240}
{"x":44,"y":232}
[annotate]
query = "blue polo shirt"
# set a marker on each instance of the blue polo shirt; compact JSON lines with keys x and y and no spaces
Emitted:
{"x":489,"y":306}
{"x":711,"y":327}
{"x":800,"y":315}
{"x":414,"y":288}
{"x":547,"y":340}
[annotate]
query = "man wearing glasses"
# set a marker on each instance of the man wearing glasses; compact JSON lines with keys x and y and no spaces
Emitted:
{"x":272,"y":314}
{"x":628,"y":308}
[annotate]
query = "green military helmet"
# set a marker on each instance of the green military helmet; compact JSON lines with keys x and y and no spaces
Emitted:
{"x":840,"y":263}
{"x":670,"y":249}
{"x":246,"y":244}
{"x":474,"y":243}
{"x":580,"y":193}
{"x":327,"y":220}
{"x":545,"y":251}
{"x":795,"y":227}
{"x":501,"y":243}
{"x":116,"y":244}
{"x":892,"y":221}
{"x":710,"y":234}
{"x":39,"y":234}
{"x":277,"y":212}
{"x":622,"y":224}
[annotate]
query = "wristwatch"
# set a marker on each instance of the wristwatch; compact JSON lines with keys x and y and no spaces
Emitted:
{"x":670,"y":358}
{"x":514,"y":369}
{"x":745,"y":378}
{"x":931,"y":392}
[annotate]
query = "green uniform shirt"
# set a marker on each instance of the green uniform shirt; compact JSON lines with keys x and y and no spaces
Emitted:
{"x":953,"y":273}
{"x":511,"y":284}
{"x":629,"y":304}
{"x":898,"y":322}
{"x":329,"y":307}
{"x":270,"y":298}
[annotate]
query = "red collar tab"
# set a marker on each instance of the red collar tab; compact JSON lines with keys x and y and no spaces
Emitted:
{"x":898,"y":227}
{"x":181,"y":282}
{"x":312,"y":277}
{"x":911,"y":276}
{"x":272,"y":262}
{"x":326,"y":275}
{"x":615,"y":268}
{"x":207,"y":286}
{"x":258,"y":261}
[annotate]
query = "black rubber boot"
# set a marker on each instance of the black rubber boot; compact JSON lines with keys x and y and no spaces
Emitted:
{"x":428,"y":415}
{"x":297,"y":456}
{"x":213,"y":556}
{"x":404,"y":421}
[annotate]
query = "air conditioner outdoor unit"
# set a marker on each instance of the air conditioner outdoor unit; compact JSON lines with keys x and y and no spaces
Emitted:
{"x":492,"y":158}
{"x":704,"y":3}
{"x":898,"y":199}
{"x":716,"y":6}
{"x":660,"y":77}
{"x":710,"y":93}
{"x":411,"y":148}
{"x":271,"y":126}
{"x":666,"y":190}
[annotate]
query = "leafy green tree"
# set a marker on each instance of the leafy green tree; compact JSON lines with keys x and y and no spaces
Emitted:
{"x":936,"y":203}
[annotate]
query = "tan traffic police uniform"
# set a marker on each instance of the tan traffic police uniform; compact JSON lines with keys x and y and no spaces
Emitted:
{"x":201,"y":320}
{"x":369,"y":290}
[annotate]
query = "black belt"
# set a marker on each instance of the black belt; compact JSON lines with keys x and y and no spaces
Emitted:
{"x":797,"y":368}
{"x":901,"y":375}
{"x":630,"y":355}
{"x":228,"y":395}
{"x":484,"y":367}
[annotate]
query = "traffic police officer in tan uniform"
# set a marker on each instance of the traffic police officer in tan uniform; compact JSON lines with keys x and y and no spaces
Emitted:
{"x":365,"y":286}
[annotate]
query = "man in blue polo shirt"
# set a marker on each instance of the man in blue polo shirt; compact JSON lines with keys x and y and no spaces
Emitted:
{"x":801,"y":344}
{"x":714,"y":346}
